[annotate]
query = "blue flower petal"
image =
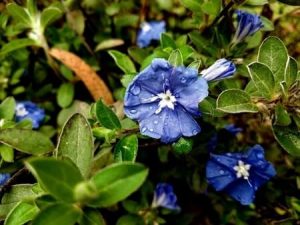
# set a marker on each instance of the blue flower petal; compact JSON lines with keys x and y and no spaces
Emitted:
{"x":164,"y":196}
{"x":4,"y":177}
{"x":221,"y":69}
{"x":188,"y":126}
{"x":190,"y":96}
{"x":150,"y":31}
{"x":171,"y":131}
{"x":218,"y":176}
{"x":241,"y":191}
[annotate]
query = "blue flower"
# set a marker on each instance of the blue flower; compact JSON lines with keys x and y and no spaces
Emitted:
{"x":165,"y":197}
{"x":239,"y":174}
{"x":4,"y":177}
{"x":164,"y":99}
{"x":29,"y":110}
{"x":221,"y":69}
{"x":150,"y":31}
{"x":248,"y":24}
{"x":231,"y":128}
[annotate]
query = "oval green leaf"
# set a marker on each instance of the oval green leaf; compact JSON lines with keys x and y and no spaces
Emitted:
{"x":76,"y":143}
{"x":106,"y":116}
{"x":235,"y":101}
{"x":65,"y":95}
{"x":27,"y":141}
{"x":117,"y":182}
{"x":126,"y":149}
{"x":58,"y":177}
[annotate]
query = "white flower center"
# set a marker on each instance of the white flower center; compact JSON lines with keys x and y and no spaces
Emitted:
{"x":21,"y":111}
{"x":146,"y":27}
{"x":167,"y":100}
{"x":242,"y":170}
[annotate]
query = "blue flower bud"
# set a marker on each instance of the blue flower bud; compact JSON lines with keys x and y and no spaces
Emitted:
{"x":248,"y":24}
{"x":150,"y":31}
{"x":165,"y":197}
{"x":4,"y":177}
{"x":29,"y":110}
{"x":221,"y":69}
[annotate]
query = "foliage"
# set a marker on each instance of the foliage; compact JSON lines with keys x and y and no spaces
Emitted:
{"x":90,"y":164}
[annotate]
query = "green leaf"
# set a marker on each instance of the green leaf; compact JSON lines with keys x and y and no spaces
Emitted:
{"x":117,"y":181}
{"x":126,"y":149}
{"x":211,"y":7}
{"x":186,"y":51}
{"x":92,"y":217}
{"x":273,"y":54}
{"x":166,"y":41}
{"x":195,"y":64}
{"x":16,"y":193}
{"x":17,"y":44}
{"x":28,"y":141}
{"x":290,"y":2}
{"x":7,"y":108}
{"x":76,"y":143}
{"x":138,"y":54}
{"x":19,"y":14}
{"x":123,"y":61}
{"x":183,"y":145}
{"x":208,"y":107}
{"x":109,"y":43}
{"x":130,"y":220}
{"x":21,"y":214}
{"x":58,"y":177}
{"x":126,"y":79}
{"x":7,"y":153}
{"x":289,"y":138}
{"x":106,"y":116}
{"x":291,"y":71}
{"x":263,"y":79}
{"x":49,"y":15}
{"x":203,"y":44}
{"x":175,"y":58}
{"x":76,"y":21}
{"x":59,"y":214}
{"x":282,"y":117}
{"x":193,"y":5}
{"x":235,"y":101}
{"x":65,"y":95}
{"x":31,"y":7}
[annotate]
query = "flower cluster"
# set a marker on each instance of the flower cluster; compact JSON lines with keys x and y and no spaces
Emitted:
{"x":29,"y":110}
{"x":165,"y":197}
{"x":150,"y":31}
{"x":239,"y":174}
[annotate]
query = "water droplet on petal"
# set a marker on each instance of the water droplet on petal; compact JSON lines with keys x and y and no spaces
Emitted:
{"x":151,"y":129}
{"x":177,"y":95}
{"x":155,"y":122}
{"x":144,"y":129}
{"x":260,"y":155}
{"x":135,"y":89}
{"x":221,"y":171}
{"x":183,"y":80}
{"x":133,"y":111}
{"x":150,"y":107}
{"x":195,"y":132}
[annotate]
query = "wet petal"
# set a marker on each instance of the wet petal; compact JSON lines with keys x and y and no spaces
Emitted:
{"x":241,"y":191}
{"x":188,"y":126}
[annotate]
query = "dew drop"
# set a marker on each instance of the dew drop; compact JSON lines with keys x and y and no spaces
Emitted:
{"x":183,"y":80}
{"x":151,"y":129}
{"x":150,"y":107}
{"x":155,"y":122}
{"x":133,"y":111}
{"x":260,"y":155}
{"x":177,"y":95}
{"x":144,"y":129}
{"x":135,"y":89}
{"x":195,"y":132}
{"x":221,"y":171}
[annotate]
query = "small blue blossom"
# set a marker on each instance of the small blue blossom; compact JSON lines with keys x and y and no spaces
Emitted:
{"x":29,"y":110}
{"x":164,"y":99}
{"x":221,"y":69}
{"x":248,"y":24}
{"x":4,"y":177}
{"x":239,"y":174}
{"x":150,"y":31}
{"x":165,"y":197}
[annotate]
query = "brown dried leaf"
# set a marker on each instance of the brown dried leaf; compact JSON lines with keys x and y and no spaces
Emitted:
{"x":89,"y":77}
